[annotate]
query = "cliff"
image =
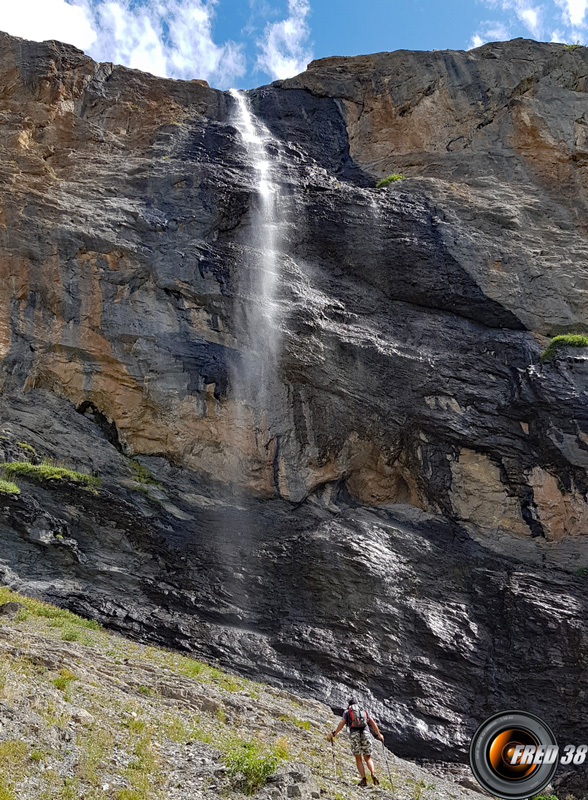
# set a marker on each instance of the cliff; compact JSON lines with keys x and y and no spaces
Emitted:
{"x":399,"y":504}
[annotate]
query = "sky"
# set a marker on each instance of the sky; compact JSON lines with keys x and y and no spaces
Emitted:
{"x":247,"y":43}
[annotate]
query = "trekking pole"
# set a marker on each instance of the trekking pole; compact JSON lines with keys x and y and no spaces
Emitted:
{"x":387,"y":765}
{"x":334,"y":760}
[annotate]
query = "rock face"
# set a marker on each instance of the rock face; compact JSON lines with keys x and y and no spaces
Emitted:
{"x":403,"y":509}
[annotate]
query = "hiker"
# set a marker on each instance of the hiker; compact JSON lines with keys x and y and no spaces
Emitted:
{"x":357,"y":720}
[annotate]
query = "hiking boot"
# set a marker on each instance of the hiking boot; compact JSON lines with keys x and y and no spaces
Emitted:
{"x":363,"y":781}
{"x":375,"y":780}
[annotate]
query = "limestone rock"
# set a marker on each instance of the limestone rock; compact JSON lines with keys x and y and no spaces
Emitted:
{"x":11,"y":609}
{"x":81,"y":716}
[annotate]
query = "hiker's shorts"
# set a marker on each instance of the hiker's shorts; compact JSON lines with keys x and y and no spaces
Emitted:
{"x":361,"y":743}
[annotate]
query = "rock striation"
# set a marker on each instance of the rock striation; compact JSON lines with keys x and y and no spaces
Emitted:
{"x":405,"y":512}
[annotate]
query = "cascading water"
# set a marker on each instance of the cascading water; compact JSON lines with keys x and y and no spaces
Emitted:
{"x":264,"y":230}
{"x":254,"y":374}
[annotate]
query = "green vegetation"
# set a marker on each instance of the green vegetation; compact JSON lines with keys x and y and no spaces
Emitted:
{"x":142,"y":474}
{"x":419,"y":787}
{"x":7,"y":487}
{"x":94,"y":745}
{"x":141,"y":770}
{"x":227,"y":682}
{"x":47,"y":472}
{"x":66,"y":676}
{"x":565,"y":340}
{"x":303,"y":724}
{"x":191,"y":668}
{"x":26,"y":446}
{"x":13,"y":752}
{"x":144,"y":490}
{"x":390,"y":179}
{"x":198,"y":670}
{"x":22,"y":615}
{"x":177,"y":731}
{"x":13,"y":757}
{"x":251,"y":764}
{"x":134,"y":724}
{"x":70,"y":635}
{"x":58,"y":617}
{"x":573,"y":46}
{"x":545,"y":797}
{"x":204,"y":673}
{"x":5,"y":793}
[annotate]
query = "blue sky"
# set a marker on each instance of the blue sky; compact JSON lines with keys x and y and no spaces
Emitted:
{"x":246,"y":43}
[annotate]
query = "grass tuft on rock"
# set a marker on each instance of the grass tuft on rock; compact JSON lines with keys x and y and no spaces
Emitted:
{"x":564,"y":340}
{"x":26,"y":446}
{"x":390,"y":179}
{"x":303,"y":724}
{"x":142,"y":474}
{"x":58,"y":617}
{"x":63,"y":680}
{"x":8,"y":487}
{"x":48,"y":472}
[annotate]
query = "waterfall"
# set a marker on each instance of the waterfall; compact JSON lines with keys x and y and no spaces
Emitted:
{"x":265,"y":229}
{"x":254,"y":376}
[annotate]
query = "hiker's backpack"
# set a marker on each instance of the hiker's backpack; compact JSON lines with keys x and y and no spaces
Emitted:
{"x":357,"y":718}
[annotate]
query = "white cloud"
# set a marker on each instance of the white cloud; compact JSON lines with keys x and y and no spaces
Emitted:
{"x":528,"y":14}
{"x":172,"y":39}
{"x":47,"y":19}
{"x":556,"y":20}
{"x":574,"y":11}
{"x":490,"y":31}
{"x":284,"y":49}
{"x":571,"y":37}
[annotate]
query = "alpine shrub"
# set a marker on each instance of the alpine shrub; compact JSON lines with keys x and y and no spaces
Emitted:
{"x":565,"y":340}
{"x":390,"y":179}
{"x":251,"y":765}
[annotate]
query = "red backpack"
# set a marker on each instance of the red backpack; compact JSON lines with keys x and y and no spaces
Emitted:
{"x":358,"y":718}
